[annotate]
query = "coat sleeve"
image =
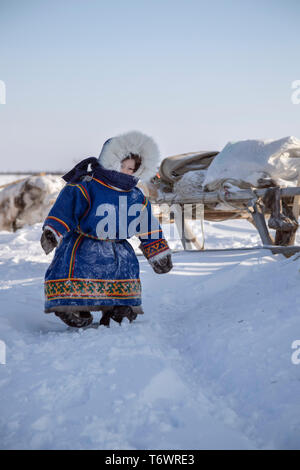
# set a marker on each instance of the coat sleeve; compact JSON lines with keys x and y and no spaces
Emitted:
{"x":153,"y":244}
{"x":71,"y":205}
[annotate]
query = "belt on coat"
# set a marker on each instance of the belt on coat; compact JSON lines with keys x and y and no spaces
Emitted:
{"x":99,"y":239}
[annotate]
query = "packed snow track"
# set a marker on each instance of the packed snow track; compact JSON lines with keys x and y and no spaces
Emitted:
{"x":207,"y":367}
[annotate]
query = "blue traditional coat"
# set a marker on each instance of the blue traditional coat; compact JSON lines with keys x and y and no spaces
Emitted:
{"x":95,"y":265}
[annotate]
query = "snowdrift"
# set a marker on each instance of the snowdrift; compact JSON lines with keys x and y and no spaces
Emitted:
{"x":209,"y":365}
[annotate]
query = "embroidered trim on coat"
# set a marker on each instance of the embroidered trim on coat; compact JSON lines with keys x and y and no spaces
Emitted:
{"x":85,"y":194}
{"x":73,"y":255}
{"x":155,"y":247}
{"x":145,"y":202}
{"x":110,"y":187}
{"x":59,"y":220}
{"x":83,"y":190}
{"x":78,"y":230}
{"x":92,"y":289}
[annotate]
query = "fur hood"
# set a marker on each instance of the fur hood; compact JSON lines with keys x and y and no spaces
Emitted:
{"x":117,"y":148}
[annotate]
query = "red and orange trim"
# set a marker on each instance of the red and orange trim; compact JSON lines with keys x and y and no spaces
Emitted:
{"x":83,"y":190}
{"x":86,"y":196}
{"x":148,"y":233}
{"x":155,"y":241}
{"x":166,"y":248}
{"x":60,"y":221}
{"x":110,"y":187}
{"x":73,"y":255}
{"x":91,"y":279}
{"x":145,"y":202}
{"x":93,"y":289}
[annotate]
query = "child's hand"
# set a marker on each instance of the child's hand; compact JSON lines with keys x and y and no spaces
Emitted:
{"x":48,"y":241}
{"x":163,"y":265}
{"x":160,"y":266}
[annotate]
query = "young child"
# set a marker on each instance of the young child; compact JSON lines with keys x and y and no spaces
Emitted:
{"x":94,"y":266}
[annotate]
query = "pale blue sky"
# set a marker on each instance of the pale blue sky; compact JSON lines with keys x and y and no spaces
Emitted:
{"x":193,"y":74}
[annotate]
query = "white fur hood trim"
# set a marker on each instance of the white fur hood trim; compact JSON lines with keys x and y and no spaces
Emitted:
{"x":117,"y":148}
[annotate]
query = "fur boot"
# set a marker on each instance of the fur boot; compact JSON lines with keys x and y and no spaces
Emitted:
{"x":75,"y":319}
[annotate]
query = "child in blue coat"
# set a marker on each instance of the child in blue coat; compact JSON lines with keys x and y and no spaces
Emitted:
{"x":94,"y":266}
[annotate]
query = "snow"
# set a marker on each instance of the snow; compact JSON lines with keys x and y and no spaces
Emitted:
{"x":249,"y":161}
{"x":10,"y":178}
{"x":207,"y":367}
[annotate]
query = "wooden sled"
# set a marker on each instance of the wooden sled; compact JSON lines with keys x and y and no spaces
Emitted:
{"x":269,"y":207}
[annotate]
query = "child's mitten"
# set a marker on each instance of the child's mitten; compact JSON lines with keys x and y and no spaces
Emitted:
{"x":163,"y":265}
{"x":49,"y":240}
